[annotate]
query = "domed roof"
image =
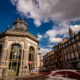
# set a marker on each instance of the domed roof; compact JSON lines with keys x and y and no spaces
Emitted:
{"x":20,"y":20}
{"x":20,"y":24}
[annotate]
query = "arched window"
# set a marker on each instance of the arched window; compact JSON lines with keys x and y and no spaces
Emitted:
{"x":15,"y":51}
{"x":14,"y":60}
{"x":31,"y":58}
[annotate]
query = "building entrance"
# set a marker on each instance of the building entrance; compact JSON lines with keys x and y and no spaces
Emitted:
{"x":14,"y":60}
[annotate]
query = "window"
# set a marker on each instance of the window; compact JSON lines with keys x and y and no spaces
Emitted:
{"x":64,"y":51}
{"x":70,"y":48}
{"x":68,"y":56}
{"x":73,"y":40}
{"x":66,"y":44}
{"x":74,"y":46}
{"x":77,"y":38}
{"x":65,"y":57}
{"x":76,"y":54}
{"x":69,"y":42}
{"x":14,"y":60}
{"x":72,"y":55}
{"x":78,"y":45}
{"x":67,"y":49}
{"x":79,"y":53}
{"x":63,"y":45}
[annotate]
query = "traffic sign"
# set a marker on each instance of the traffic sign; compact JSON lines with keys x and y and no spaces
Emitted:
{"x":30,"y":62}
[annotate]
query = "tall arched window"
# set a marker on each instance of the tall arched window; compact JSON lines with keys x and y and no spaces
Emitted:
{"x":14,"y":60}
{"x":31,"y":58}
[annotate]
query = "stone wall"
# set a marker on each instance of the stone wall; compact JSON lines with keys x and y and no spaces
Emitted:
{"x":25,"y":44}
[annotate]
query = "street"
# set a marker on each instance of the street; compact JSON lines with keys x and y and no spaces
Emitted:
{"x":37,"y":77}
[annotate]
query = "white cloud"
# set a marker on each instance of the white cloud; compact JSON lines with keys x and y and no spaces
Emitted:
{"x":44,"y":50}
{"x":50,"y":46}
{"x":13,"y":2}
{"x":62,"y":30}
{"x":75,"y":28}
{"x":55,"y":40}
{"x":37,"y":22}
{"x":57,"y":31}
{"x":39,"y":37}
{"x":58,"y":10}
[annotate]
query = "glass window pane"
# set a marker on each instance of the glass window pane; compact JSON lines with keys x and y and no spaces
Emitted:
{"x":72,"y":55}
{"x":76,"y":54}
{"x":78,"y":45}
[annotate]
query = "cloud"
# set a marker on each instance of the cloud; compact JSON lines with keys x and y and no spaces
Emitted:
{"x":13,"y":2}
{"x":55,"y":40}
{"x":37,"y":22}
{"x":50,"y":46}
{"x":44,"y":50}
{"x":42,"y":10}
{"x":62,"y":29}
{"x":75,"y":28}
{"x":56,"y":32}
{"x":60,"y":11}
{"x":39,"y":37}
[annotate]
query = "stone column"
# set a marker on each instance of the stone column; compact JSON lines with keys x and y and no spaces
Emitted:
{"x":36,"y":60}
{"x":26,"y":58}
{"x":21,"y":63}
{"x":7,"y":61}
{"x":3,"y":58}
{"x":25,"y":64}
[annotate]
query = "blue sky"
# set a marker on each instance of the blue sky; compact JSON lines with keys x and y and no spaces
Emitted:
{"x":48,"y":19}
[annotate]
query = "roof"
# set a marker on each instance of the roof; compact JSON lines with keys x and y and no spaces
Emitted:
{"x":49,"y":53}
{"x":20,"y":20}
{"x":19,"y":34}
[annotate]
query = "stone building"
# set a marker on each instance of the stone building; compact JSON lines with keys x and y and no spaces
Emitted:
{"x":19,"y":52}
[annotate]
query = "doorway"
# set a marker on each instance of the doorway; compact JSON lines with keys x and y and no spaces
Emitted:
{"x":14,"y":60}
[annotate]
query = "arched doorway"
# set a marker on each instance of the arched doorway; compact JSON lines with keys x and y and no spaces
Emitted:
{"x":14,"y":60}
{"x":31,"y":58}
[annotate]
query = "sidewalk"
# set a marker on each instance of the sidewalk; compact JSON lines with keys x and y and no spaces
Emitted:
{"x":28,"y":76}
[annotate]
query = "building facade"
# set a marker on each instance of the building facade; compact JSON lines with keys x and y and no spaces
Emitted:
{"x":49,"y":61}
{"x":19,"y":52}
{"x":67,"y":53}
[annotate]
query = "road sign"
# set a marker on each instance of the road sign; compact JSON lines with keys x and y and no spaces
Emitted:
{"x":30,"y":62}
